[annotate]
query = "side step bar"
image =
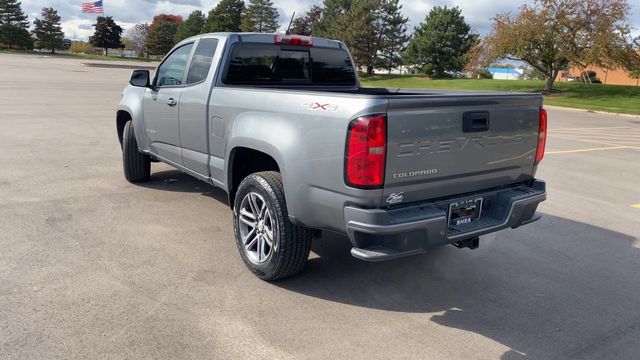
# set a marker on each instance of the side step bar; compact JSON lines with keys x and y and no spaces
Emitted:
{"x":382,"y":253}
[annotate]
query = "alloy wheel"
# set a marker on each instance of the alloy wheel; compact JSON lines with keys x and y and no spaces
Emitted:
{"x":256,"y":228}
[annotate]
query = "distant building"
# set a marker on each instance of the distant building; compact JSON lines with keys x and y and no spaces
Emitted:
{"x":400,"y":70}
{"x":607,"y":76}
{"x":506,"y":73}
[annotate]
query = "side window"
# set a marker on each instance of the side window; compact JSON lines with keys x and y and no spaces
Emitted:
{"x":201,"y":62}
{"x":171,"y":72}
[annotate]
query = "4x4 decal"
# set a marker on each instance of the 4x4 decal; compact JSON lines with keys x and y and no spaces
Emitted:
{"x":320,"y":106}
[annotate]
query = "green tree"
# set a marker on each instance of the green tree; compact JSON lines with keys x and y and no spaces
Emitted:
{"x":107,"y":34}
{"x":552,"y":35}
{"x":360,"y":32}
{"x":392,"y":28}
{"x":162,"y":31}
{"x":190,"y":27}
{"x":226,"y":16}
{"x":374,"y":30}
{"x":161,"y":35}
{"x":633,"y":61}
{"x":304,"y":25}
{"x":260,"y":16}
{"x":14,"y":25}
{"x":48,"y":31}
{"x":160,"y":38}
{"x":440,"y":44}
{"x":332,"y":11}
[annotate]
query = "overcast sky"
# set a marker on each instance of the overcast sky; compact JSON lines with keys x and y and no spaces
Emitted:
{"x":76,"y":25}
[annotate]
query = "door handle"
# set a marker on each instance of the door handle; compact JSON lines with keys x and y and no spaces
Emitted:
{"x":172,"y":102}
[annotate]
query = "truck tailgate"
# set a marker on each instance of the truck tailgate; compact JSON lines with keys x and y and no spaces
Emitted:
{"x":454,"y":144}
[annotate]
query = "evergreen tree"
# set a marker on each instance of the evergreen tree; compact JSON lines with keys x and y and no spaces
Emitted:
{"x":326,"y":25}
{"x":393,"y":35}
{"x":440,"y":44}
{"x":226,"y":16}
{"x":14,"y":25}
{"x":359,"y":32}
{"x":48,"y":31}
{"x":374,"y":30}
{"x":190,"y":27}
{"x":107,"y":34}
{"x":260,"y":16}
{"x":304,"y":25}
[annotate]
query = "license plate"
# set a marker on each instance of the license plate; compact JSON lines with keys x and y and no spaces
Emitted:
{"x":464,"y":211}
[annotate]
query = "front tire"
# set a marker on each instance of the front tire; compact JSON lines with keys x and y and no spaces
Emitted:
{"x":270,"y":245}
{"x":136,"y":166}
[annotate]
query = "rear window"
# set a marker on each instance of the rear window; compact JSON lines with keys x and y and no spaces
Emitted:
{"x":271,"y":64}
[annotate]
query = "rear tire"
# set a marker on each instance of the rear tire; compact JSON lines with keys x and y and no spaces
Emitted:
{"x":270,"y":245}
{"x":136,"y":166}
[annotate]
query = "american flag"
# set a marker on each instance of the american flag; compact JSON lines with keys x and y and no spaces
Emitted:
{"x":93,"y":7}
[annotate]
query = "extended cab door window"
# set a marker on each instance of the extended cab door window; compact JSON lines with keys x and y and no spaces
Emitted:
{"x":171,"y":72}
{"x":201,"y":61}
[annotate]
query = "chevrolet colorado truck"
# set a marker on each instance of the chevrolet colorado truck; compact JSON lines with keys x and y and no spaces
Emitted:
{"x":281,"y":124}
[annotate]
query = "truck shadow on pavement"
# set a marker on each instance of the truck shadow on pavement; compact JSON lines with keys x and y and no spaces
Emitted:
{"x":176,"y":180}
{"x":554,"y":289}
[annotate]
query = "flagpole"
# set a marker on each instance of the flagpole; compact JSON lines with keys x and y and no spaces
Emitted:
{"x":104,"y":14}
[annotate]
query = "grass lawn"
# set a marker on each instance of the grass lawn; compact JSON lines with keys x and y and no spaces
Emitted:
{"x":611,"y":98}
{"x":78,"y":56}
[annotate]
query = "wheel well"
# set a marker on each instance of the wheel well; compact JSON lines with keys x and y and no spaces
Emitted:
{"x":244,"y":162}
{"x":121,"y":119}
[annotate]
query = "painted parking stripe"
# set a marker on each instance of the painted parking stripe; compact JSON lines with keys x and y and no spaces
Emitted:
{"x":585,"y":150}
{"x":637,"y":206}
{"x":593,"y":128}
{"x":591,"y":133}
{"x":599,"y":142}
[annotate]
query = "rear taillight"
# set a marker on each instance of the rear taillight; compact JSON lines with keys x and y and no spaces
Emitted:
{"x":366,"y":152}
{"x":294,"y":40}
{"x":542,"y":136}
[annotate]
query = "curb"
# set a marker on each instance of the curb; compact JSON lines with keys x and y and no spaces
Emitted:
{"x":591,"y":111}
{"x":119,"y":66}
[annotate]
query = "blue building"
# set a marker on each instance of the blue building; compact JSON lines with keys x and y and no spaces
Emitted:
{"x":506,"y":73}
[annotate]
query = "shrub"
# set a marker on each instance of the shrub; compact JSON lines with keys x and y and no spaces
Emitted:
{"x":481,"y":74}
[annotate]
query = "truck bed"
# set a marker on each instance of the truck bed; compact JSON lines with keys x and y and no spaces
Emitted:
{"x":430,"y":152}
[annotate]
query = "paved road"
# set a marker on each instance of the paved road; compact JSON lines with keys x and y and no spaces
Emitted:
{"x":94,"y":267}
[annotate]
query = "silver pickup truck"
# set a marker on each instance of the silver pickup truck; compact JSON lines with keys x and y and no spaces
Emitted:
{"x":281,"y":123}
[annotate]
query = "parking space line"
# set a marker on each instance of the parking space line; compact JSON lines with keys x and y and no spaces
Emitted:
{"x":605,"y":135}
{"x":616,"y":135}
{"x":637,"y":206}
{"x":610,"y":135}
{"x":585,"y":150}
{"x":620,"y":130}
{"x":612,"y":142}
{"x":605,"y":143}
{"x":592,"y":128}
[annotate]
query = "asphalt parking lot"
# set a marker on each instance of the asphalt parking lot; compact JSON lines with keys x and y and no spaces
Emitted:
{"x":93,"y":267}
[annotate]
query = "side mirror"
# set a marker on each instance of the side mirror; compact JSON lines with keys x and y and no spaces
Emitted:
{"x":140,"y":78}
